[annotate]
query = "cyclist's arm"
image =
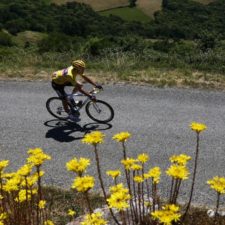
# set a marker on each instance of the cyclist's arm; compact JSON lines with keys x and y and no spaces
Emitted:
{"x":89,"y":80}
{"x":80,"y":89}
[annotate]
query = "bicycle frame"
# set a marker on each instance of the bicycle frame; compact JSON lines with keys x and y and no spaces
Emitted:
{"x":93,"y":92}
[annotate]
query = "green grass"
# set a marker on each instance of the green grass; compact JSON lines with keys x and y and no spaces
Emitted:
{"x":60,"y":201}
{"x":128,"y":14}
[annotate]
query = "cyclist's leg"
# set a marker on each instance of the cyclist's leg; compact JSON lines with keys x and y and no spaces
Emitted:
{"x":62,"y":94}
{"x":73,"y":114}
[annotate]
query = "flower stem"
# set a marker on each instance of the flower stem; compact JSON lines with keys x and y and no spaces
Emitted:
{"x":171,"y":190}
{"x":101,"y":183}
{"x":88,"y":202}
{"x":135,"y":199}
{"x":217,"y":204}
{"x":177,"y":191}
{"x":194,"y":175}
{"x":39,"y":193}
{"x":124,"y":151}
{"x":127,"y":174}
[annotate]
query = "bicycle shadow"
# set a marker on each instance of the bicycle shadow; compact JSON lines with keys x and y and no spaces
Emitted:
{"x":62,"y":130}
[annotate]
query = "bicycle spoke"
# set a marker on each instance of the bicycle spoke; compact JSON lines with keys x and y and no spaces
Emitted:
{"x":54,"y":106}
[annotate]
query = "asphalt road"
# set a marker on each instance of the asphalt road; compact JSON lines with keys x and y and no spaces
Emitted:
{"x":157,"y":118}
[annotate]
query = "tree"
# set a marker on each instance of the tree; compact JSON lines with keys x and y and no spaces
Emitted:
{"x":5,"y":39}
{"x":164,"y":3}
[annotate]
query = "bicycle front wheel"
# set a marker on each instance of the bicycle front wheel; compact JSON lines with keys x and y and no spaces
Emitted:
{"x":99,"y":111}
{"x":55,"y":108}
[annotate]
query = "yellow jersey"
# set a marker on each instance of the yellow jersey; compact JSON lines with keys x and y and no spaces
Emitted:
{"x":64,"y":76}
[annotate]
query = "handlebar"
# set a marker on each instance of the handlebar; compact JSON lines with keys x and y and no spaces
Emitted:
{"x":95,"y":91}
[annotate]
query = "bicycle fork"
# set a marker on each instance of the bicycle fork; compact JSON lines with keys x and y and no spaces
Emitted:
{"x":96,"y":107}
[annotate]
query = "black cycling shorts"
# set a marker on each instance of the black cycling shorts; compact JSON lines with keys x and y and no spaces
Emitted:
{"x":60,"y":89}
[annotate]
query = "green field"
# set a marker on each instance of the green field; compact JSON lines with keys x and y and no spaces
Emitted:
{"x":127,"y":13}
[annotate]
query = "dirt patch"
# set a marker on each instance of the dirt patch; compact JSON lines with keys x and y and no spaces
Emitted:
{"x":149,"y":7}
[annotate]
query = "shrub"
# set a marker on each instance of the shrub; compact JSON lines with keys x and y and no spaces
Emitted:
{"x":5,"y":39}
{"x":58,"y":42}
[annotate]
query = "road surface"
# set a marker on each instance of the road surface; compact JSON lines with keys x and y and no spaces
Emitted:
{"x":157,"y":118}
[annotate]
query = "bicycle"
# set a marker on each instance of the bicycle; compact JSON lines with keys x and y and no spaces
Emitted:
{"x":98,"y":110}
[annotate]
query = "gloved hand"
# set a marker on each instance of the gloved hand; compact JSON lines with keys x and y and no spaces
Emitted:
{"x":99,"y":86}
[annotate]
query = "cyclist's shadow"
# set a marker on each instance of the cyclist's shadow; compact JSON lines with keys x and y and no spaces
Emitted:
{"x":61,"y":130}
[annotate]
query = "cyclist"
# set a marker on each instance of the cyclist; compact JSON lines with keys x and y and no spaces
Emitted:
{"x":68,"y":77}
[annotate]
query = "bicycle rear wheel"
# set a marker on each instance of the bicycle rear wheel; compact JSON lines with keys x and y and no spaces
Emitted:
{"x":100,"y":111}
{"x":55,"y":108}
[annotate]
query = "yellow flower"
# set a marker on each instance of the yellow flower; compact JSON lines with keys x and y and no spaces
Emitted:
{"x":218,"y":184}
{"x":48,"y":222}
{"x":8,"y":175}
{"x":94,"y":138}
{"x":122,"y":136}
{"x":32,"y":179}
{"x":128,"y":162}
{"x":167,"y":215}
{"x":34,"y":151}
{"x":24,"y":195}
{"x":154,"y":173}
{"x":113,"y":173}
{"x":41,"y":204}
{"x":3,"y":216}
{"x":3,"y":164}
{"x":181,"y":159}
{"x":119,"y":197}
{"x":37,"y":157}
{"x":83,"y":184}
{"x":143,"y":158}
{"x":136,"y":167}
{"x":33,"y":191}
{"x":94,"y":219}
{"x":117,"y":188}
{"x":13,"y":183}
{"x":25,"y":170}
{"x":78,"y":165}
{"x":138,"y":179}
{"x":178,"y":172}
{"x":198,"y":127}
{"x":71,"y":212}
